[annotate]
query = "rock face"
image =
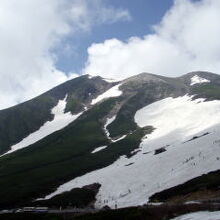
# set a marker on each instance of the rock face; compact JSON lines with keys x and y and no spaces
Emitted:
{"x":64,"y":155}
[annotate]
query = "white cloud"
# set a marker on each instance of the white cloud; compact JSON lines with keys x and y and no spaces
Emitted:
{"x":187,"y":39}
{"x":29,"y":30}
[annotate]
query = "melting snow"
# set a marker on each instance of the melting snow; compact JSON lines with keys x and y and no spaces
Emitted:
{"x":198,"y":80}
{"x":122,"y":137}
{"x":113,"y":92}
{"x":176,"y":120}
{"x":108,"y":122}
{"x":200,"y":216}
{"x":99,"y":149}
{"x":60,"y":121}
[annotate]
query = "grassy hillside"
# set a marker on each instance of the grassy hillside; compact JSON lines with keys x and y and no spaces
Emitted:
{"x":78,"y":197}
{"x":208,"y":91}
{"x":19,"y":121}
{"x":191,"y":189}
{"x":40,"y":168}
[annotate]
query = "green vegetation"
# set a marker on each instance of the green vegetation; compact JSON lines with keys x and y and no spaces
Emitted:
{"x":204,"y":182}
{"x":19,"y":121}
{"x":78,"y":197}
{"x":54,"y":160}
{"x":147,"y":94}
{"x":209,"y":91}
{"x":62,"y":156}
{"x":73,"y":105}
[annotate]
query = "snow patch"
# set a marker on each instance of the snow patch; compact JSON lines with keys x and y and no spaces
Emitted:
{"x":198,"y":80}
{"x":175,"y":119}
{"x":200,"y":216}
{"x":98,"y":149}
{"x":108,"y":122}
{"x":110,"y":80}
{"x":122,"y":137}
{"x":60,"y":121}
{"x":90,"y":76}
{"x":113,"y":92}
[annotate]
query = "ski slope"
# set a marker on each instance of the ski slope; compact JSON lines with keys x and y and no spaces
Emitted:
{"x":60,"y":121}
{"x":177,"y":123}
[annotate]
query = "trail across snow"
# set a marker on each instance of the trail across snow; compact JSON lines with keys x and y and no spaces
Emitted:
{"x":132,"y":181}
{"x":60,"y":121}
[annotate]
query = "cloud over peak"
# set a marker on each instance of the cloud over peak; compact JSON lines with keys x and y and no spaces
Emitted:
{"x":30,"y":30}
{"x":186,"y":39}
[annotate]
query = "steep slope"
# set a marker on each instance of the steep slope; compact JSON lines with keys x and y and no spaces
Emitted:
{"x":32,"y":115}
{"x":107,"y":140}
{"x":169,"y":156}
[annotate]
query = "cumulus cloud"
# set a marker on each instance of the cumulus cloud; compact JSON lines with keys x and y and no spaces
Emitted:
{"x":186,"y":39}
{"x":29,"y":30}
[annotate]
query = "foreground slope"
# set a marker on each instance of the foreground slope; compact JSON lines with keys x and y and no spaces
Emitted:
{"x":121,"y":141}
{"x":183,"y":145}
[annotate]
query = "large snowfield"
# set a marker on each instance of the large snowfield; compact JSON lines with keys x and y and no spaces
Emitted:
{"x":187,"y":129}
{"x":60,"y":121}
{"x":200,"y":216}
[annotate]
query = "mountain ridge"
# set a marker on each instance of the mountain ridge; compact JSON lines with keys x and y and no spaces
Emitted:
{"x":39,"y":169}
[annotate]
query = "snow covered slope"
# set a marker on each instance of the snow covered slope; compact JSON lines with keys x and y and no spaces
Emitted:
{"x":200,"y":216}
{"x":185,"y":144}
{"x":60,"y":121}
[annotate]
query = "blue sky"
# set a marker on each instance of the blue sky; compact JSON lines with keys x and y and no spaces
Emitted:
{"x":43,"y":43}
{"x":144,"y":14}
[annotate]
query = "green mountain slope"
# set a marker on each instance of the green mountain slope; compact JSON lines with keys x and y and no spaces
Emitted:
{"x":19,"y":121}
{"x":39,"y":169}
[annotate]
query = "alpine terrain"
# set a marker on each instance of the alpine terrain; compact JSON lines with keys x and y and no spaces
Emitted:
{"x":97,"y":142}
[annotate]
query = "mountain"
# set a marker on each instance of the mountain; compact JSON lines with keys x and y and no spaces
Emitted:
{"x":146,"y":138}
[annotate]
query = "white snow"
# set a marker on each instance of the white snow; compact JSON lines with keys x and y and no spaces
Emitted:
{"x":60,"y":121}
{"x":110,"y":80}
{"x":90,"y":76}
{"x":176,"y":120}
{"x":108,"y":122}
{"x":116,"y":140}
{"x":204,"y":215}
{"x":98,"y":149}
{"x":198,"y":80}
{"x":113,"y":92}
